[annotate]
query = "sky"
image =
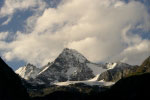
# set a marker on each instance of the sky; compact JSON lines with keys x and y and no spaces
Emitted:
{"x":36,"y":31}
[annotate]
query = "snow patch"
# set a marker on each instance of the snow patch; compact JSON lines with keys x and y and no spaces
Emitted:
{"x":111,"y":65}
{"x":44,"y":70}
{"x":90,"y":83}
{"x":95,"y":78}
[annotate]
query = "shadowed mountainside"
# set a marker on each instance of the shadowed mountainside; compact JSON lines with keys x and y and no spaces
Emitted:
{"x":10,"y":84}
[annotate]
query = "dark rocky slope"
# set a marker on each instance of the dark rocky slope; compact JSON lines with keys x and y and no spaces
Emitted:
{"x":10,"y":84}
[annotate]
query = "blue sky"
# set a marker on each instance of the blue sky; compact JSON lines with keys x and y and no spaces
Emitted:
{"x":110,"y":30}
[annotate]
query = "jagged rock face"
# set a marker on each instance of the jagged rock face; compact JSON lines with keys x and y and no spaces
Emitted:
{"x":29,"y":71}
{"x":70,"y":65}
{"x":120,"y":71}
{"x":10,"y":84}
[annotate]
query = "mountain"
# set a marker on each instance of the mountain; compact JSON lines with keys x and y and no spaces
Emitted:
{"x":70,"y":65}
{"x":123,"y":70}
{"x":29,"y":71}
{"x":120,"y":71}
{"x":134,"y":87}
{"x":11,"y":87}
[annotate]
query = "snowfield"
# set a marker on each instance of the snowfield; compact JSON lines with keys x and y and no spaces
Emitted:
{"x":90,"y":82}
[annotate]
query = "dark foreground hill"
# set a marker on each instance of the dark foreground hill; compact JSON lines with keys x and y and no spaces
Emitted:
{"x":10,"y":84}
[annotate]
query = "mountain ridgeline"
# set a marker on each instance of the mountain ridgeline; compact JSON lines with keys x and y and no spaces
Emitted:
{"x":70,"y":65}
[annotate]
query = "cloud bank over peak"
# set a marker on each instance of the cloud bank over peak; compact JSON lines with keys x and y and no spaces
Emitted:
{"x":99,"y":29}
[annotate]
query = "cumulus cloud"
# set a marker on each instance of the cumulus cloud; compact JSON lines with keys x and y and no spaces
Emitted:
{"x":136,"y":53}
{"x":39,"y":47}
{"x":99,"y":29}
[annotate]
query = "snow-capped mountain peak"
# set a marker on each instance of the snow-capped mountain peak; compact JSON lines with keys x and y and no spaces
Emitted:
{"x":70,"y":65}
{"x":71,"y":54}
{"x":28,"y":71}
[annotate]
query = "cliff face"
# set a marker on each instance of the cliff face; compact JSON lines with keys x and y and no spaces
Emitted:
{"x":10,"y":84}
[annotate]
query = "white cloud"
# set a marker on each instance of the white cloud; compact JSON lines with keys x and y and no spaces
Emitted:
{"x":100,"y":29}
{"x":37,"y":46}
{"x":137,"y":53}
